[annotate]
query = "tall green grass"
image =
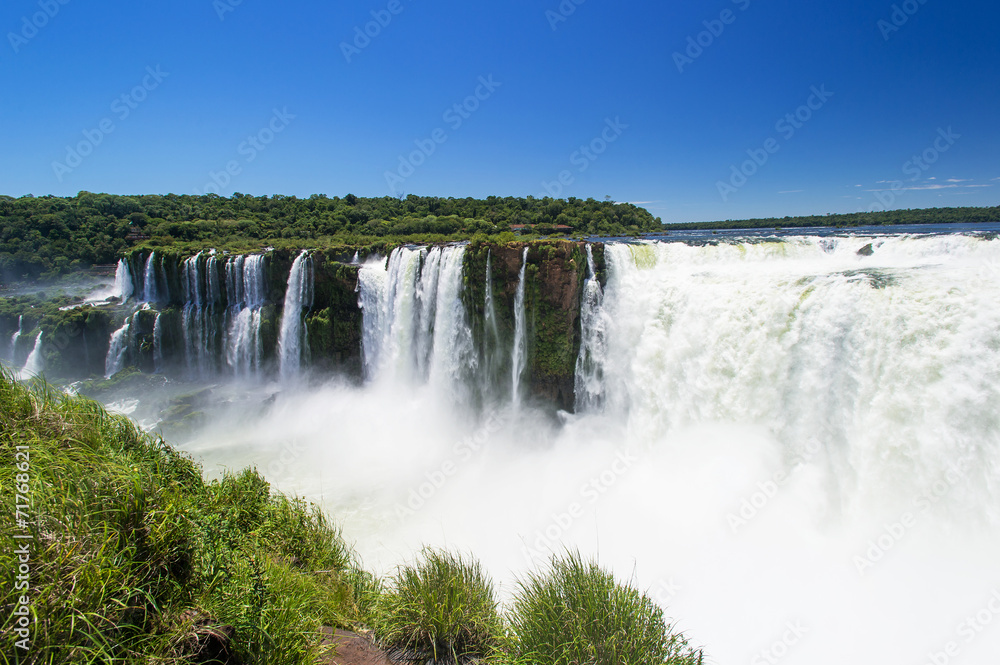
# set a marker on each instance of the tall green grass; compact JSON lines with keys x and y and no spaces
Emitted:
{"x":136,"y":559}
{"x":442,"y":608}
{"x":575,"y":612}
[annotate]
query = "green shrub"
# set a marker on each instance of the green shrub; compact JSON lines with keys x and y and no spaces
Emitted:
{"x":575,"y":612}
{"x":442,"y":608}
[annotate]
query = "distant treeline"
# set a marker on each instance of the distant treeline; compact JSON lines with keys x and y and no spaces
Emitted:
{"x":881,"y":218}
{"x":48,"y":236}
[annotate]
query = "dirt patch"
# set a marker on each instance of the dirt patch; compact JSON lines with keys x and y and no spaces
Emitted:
{"x":353,"y":649}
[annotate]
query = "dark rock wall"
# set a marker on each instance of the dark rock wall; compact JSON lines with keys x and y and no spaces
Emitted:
{"x":555,"y":273}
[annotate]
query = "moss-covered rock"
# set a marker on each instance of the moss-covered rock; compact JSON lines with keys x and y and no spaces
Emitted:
{"x":554,"y":275}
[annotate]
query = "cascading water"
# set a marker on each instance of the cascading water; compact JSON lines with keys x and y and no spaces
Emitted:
{"x":202,"y":295}
{"x":414,"y":320}
{"x":120,"y":347}
{"x":372,"y":298}
{"x":245,"y":288}
{"x":519,"y":351}
{"x":123,"y":281}
{"x":158,"y":343}
{"x":16,"y":336}
{"x":452,"y":359}
{"x":35,"y":363}
{"x":293,"y":340}
{"x":791,"y":427}
{"x":149,"y":293}
{"x":491,"y":333}
{"x":589,"y":376}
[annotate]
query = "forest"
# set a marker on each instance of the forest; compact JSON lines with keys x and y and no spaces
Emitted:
{"x":879,"y":218}
{"x":47,"y":236}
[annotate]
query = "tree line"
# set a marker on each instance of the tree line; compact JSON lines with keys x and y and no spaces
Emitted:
{"x":46,"y":236}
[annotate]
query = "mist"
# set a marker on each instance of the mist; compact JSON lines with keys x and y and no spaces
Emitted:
{"x":796,"y":448}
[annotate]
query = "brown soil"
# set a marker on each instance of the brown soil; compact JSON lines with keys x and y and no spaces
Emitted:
{"x":352,"y":649}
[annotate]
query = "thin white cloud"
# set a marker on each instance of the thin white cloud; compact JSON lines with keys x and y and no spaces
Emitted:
{"x":957,"y":180}
{"x":792,"y":191}
{"x":926,"y":187}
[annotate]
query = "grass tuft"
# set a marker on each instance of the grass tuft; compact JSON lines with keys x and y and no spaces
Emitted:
{"x":575,"y":612}
{"x":442,"y":608}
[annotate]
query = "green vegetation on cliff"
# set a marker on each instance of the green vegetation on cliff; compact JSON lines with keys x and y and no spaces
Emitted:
{"x":47,"y":236}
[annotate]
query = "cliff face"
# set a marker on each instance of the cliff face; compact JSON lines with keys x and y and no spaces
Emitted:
{"x":75,"y":342}
{"x":554,"y":275}
{"x":196,"y":305}
{"x":334,"y":324}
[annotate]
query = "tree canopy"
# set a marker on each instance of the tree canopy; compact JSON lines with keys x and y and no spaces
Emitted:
{"x":48,"y":235}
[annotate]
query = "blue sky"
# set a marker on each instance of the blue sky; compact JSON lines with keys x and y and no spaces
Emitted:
{"x":706,"y":110}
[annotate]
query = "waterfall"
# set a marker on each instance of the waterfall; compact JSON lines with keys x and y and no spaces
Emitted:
{"x":120,"y":347}
{"x":192,"y":316}
{"x":491,"y":332}
{"x":202,"y":296}
{"x":820,"y":346}
{"x":158,"y":343}
{"x":15,"y":337}
{"x":520,"y":347}
{"x":123,"y":281}
{"x":451,"y":355}
{"x":589,"y":376}
{"x":245,"y":290}
{"x":755,"y":417}
{"x":415,"y":327}
{"x":35,"y":363}
{"x":293,"y":339}
{"x":372,"y":297}
{"x":149,"y":279}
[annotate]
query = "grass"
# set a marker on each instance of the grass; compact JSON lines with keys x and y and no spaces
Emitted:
{"x":135,"y":558}
{"x":575,"y":612}
{"x":442,"y":608}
